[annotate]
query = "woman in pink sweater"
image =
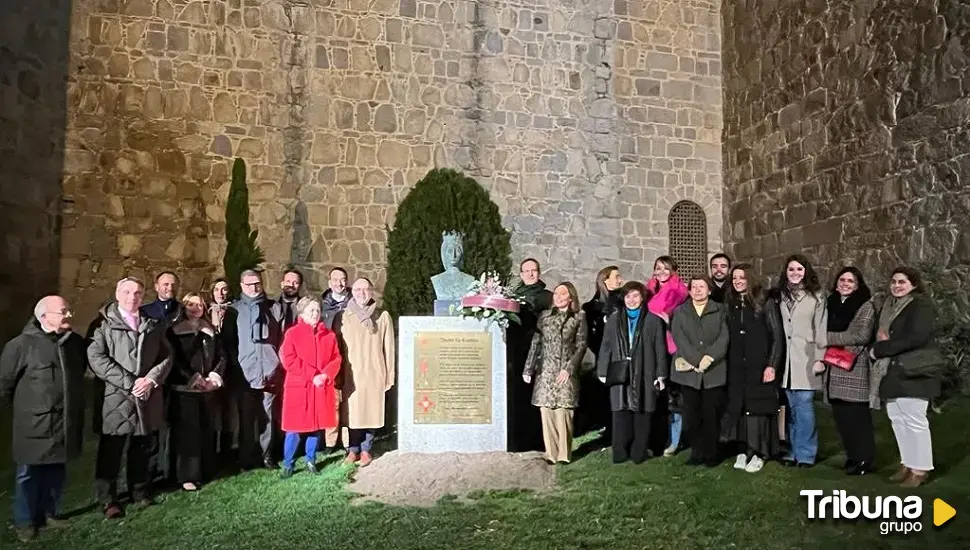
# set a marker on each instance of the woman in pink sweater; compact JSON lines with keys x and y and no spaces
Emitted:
{"x":668,"y":292}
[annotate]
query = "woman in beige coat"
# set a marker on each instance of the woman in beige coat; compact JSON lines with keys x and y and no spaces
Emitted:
{"x":555,"y":356}
{"x":366,"y":337}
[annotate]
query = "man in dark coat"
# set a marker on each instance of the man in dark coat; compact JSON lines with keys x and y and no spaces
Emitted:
{"x":42,"y":373}
{"x":334,"y":301}
{"x":131,"y":354}
{"x":720,"y":275}
{"x":525,"y":425}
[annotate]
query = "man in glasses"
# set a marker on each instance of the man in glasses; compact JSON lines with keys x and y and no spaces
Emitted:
{"x":253,"y":335}
{"x":42,"y":373}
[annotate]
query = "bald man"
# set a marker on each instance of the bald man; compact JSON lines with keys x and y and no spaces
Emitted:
{"x":42,"y":374}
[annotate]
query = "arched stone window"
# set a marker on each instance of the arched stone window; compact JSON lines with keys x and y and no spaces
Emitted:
{"x":687,"y":228}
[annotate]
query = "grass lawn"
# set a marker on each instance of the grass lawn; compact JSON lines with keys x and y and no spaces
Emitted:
{"x":661,"y":504}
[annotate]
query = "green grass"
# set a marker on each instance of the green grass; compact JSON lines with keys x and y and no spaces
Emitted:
{"x":661,"y":504}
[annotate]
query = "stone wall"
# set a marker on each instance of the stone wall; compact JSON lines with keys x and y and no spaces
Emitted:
{"x":586,"y":120}
{"x":847,"y":126}
{"x":33,"y":70}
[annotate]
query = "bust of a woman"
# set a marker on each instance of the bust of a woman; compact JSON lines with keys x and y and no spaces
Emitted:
{"x":452,"y":283}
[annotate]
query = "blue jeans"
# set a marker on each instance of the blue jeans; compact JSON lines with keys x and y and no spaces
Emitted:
{"x":361,"y":440}
{"x":802,"y":434}
{"x":292,"y":442}
{"x":37,"y":493}
{"x":676,"y":426}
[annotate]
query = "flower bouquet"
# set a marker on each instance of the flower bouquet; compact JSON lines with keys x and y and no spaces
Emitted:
{"x":489,"y":300}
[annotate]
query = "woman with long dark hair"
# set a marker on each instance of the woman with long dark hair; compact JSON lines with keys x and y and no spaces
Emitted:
{"x":555,"y":357}
{"x":907,"y":372}
{"x":755,"y":353}
{"x":798,"y":296}
{"x":594,"y":398}
{"x":851,"y":320}
{"x":634,"y":363}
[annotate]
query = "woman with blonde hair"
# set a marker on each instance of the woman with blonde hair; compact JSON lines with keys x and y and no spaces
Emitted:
{"x":197,"y":368}
{"x":311,"y":359}
{"x":555,"y":357}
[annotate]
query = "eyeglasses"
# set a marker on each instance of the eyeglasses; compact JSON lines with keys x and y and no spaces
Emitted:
{"x":66,"y":313}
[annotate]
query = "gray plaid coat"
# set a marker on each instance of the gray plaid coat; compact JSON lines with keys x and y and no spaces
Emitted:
{"x":852,"y":385}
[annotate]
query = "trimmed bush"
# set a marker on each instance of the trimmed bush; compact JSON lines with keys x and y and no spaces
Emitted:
{"x":444,"y":200}
{"x":241,"y":250}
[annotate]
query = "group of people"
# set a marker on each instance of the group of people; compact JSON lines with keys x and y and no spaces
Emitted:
{"x":715,"y":363}
{"x":183,"y":381}
{"x":722,"y":365}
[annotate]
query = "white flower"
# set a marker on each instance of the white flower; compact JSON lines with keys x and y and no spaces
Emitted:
{"x":487,"y":312}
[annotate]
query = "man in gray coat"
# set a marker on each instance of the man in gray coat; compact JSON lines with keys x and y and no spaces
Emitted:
{"x":130,"y":353}
{"x":254,"y":336}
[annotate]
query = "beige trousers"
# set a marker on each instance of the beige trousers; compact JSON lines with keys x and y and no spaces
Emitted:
{"x":557,"y":433}
{"x":332,"y":435}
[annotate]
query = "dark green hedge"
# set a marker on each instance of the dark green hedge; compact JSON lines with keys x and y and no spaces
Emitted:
{"x":444,"y":200}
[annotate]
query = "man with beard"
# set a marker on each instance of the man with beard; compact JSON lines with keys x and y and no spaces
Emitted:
{"x":253,"y":340}
{"x":166,"y":308}
{"x":525,"y":425}
{"x":334,"y":301}
{"x":42,"y":374}
{"x":289,"y":295}
{"x":720,"y":273}
{"x":335,"y":298}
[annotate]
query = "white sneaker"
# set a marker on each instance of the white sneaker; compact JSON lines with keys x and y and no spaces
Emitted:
{"x":755,"y":465}
{"x":741,"y":462}
{"x":670,"y":451}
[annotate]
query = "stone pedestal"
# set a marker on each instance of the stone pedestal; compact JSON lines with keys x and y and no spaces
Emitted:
{"x":447,"y":308}
{"x":451,"y":386}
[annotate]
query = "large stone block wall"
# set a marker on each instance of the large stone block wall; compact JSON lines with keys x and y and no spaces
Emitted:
{"x":34,"y":38}
{"x":586,"y":120}
{"x":847,"y":133}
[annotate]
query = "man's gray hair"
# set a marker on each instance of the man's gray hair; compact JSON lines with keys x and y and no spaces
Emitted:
{"x":250,"y":273}
{"x":135,"y":280}
{"x":41,"y":308}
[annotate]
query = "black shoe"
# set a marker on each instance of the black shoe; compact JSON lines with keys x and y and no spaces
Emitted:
{"x":286,"y":473}
{"x":788,"y":463}
{"x":311,"y":468}
{"x":269,"y":464}
{"x":849,"y":464}
{"x":619,"y":459}
{"x":694,"y":461}
{"x":805,"y":465}
{"x":712,"y":463}
{"x":860,"y":469}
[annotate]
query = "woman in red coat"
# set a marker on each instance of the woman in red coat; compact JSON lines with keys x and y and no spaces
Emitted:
{"x":311,"y":360}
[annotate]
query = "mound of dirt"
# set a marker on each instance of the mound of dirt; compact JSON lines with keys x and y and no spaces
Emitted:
{"x":418,"y":479}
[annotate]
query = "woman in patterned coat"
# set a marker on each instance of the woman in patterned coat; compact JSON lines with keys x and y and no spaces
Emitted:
{"x":851,"y":324}
{"x":555,"y":357}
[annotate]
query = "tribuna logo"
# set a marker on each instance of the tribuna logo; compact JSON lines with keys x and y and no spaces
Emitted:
{"x":897,"y":514}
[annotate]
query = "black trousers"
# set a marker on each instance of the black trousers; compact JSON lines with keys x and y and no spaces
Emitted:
{"x":631,"y":436}
{"x":257,"y":433}
{"x":108,"y":465}
{"x":195,"y":439}
{"x":854,"y":423}
{"x":702,"y":417}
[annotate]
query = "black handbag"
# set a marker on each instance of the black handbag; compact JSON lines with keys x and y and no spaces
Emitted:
{"x":618,"y":373}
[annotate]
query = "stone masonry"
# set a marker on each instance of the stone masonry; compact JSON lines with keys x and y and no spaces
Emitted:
{"x":34,"y":39}
{"x":586,"y":120}
{"x":847,"y":133}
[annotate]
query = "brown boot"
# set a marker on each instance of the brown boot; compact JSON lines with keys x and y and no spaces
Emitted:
{"x":365,"y":459}
{"x":351,"y":457}
{"x":901,"y":474}
{"x":915,"y":479}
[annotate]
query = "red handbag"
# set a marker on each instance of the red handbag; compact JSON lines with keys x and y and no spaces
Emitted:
{"x":839,"y":357}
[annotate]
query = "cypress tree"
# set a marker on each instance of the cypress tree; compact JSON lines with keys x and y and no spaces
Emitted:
{"x":241,"y":250}
{"x":444,"y":200}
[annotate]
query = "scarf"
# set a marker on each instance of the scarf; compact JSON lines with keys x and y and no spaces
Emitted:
{"x":890,"y":310}
{"x":841,"y":312}
{"x":365,"y":314}
{"x":632,"y":317}
{"x":535,"y":296}
{"x":793,"y":296}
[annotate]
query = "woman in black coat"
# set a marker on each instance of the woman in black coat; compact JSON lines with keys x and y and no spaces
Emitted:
{"x":754,"y":362}
{"x":197,"y":369}
{"x":633,"y":362}
{"x":594,"y":398}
